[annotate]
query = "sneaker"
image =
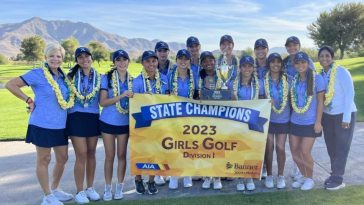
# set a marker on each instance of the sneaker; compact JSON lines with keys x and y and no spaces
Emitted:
{"x":328,"y":180}
{"x":173,"y":183}
{"x":159,"y":180}
{"x":152,"y":189}
{"x":61,"y":195}
{"x":298,"y":183}
{"x":92,"y":194}
{"x":206,"y":183}
{"x":308,"y":184}
{"x":297,"y":176}
{"x":50,"y":199}
{"x":81,"y":198}
{"x":187,"y":182}
{"x":139,"y":187}
{"x":281,"y":182}
{"x":217,"y":183}
{"x":295,"y":170}
{"x":118,"y":191}
{"x":240,"y":186}
{"x":268,"y":182}
{"x":107,"y":193}
{"x":250,"y":186}
{"x":335,"y":186}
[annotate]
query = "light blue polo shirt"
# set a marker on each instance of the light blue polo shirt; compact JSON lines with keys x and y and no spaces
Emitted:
{"x":245,"y":91}
{"x":110,"y":114}
{"x":93,"y":104}
{"x":290,"y":70}
{"x":183,"y":84}
{"x":275,"y":95}
{"x":139,"y":85}
{"x":309,"y":117}
{"x":47,"y":112}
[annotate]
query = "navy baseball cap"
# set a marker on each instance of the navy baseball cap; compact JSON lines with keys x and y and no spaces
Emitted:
{"x":246,"y":60}
{"x":206,"y":54}
{"x":120,"y":53}
{"x":261,"y":43}
{"x":192,"y":41}
{"x":273,"y":56}
{"x":161,"y":45}
{"x":226,"y":38}
{"x":184,"y":52}
{"x":292,"y":39}
{"x":81,"y":50}
{"x":149,"y":54}
{"x":301,"y":56}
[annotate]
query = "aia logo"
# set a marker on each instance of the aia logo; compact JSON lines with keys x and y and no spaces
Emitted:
{"x":229,"y":165}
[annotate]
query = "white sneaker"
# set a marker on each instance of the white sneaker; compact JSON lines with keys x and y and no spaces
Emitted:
{"x":50,"y":199}
{"x":159,"y":180}
{"x":298,"y":183}
{"x":92,"y":194}
{"x":206,"y":183}
{"x":297,"y":176}
{"x":281,"y":182}
{"x":240,"y":186}
{"x":81,"y":198}
{"x":217,"y":183}
{"x":268,"y":182}
{"x":295,"y":171}
{"x":107,"y":193}
{"x":173,"y":183}
{"x":308,"y":184}
{"x":61,"y":195}
{"x":187,"y":182}
{"x":118,"y":191}
{"x":250,"y":186}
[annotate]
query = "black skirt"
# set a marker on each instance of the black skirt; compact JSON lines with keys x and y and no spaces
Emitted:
{"x":113,"y":129}
{"x":82,"y":124}
{"x":47,"y":138}
{"x":278,"y":128}
{"x":303,"y":130}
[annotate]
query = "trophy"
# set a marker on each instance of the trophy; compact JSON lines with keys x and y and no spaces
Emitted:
{"x":225,"y":72}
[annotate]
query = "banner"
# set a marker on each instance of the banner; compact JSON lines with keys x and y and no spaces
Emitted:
{"x":175,"y":136}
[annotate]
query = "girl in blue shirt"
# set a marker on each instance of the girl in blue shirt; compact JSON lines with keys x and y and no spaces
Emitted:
{"x":261,"y":51}
{"x":227,"y":58}
{"x":307,"y":93}
{"x":182,"y":82}
{"x":339,"y":115}
{"x":249,"y":88}
{"x":83,"y":123}
{"x":47,"y":122}
{"x":277,"y":89}
{"x":116,"y":89}
{"x":152,"y":82}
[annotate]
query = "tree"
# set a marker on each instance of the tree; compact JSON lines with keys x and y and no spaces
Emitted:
{"x":32,"y":48}
{"x":70,"y":45}
{"x":342,"y":27}
{"x":99,"y":51}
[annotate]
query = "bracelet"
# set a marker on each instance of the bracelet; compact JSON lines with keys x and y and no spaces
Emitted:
{"x":27,"y":99}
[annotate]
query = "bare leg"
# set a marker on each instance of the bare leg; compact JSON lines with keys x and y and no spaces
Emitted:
{"x":121,"y":150}
{"x":80,"y":147}
{"x":91,"y":160}
{"x":109,"y":144}
{"x":269,"y":153}
{"x":281,"y":152}
{"x":61,"y":153}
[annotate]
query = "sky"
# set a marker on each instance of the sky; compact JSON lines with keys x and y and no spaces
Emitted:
{"x":167,"y":20}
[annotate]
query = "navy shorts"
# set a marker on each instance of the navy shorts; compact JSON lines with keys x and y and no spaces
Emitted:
{"x":278,"y":128}
{"x":47,"y":138}
{"x":82,"y":124}
{"x":303,"y":130}
{"x":113,"y":129}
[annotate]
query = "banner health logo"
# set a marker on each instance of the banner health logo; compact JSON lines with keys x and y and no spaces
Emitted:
{"x":188,"y":109}
{"x":152,"y":166}
{"x":229,"y":165}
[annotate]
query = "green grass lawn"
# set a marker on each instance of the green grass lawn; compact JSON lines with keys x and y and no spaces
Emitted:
{"x":13,"y":121}
{"x":351,"y":195}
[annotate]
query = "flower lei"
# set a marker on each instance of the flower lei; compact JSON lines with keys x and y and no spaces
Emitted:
{"x":191,"y":85}
{"x":62,"y":102}
{"x":96,"y":81}
{"x":116,"y":89}
{"x":253,"y":84}
{"x":147,"y":86}
{"x":331,"y":90}
{"x":294,"y":96}
{"x":284,"y":96}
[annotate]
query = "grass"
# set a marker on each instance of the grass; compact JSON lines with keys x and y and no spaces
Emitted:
{"x":13,"y":121}
{"x":351,"y":195}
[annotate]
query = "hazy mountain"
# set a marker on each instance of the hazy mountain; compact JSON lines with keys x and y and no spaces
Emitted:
{"x":11,"y":36}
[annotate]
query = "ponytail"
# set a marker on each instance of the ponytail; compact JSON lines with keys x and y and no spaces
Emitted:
{"x":73,"y":71}
{"x":109,"y":77}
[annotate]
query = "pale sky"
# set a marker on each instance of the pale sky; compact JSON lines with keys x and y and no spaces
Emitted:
{"x":244,"y":20}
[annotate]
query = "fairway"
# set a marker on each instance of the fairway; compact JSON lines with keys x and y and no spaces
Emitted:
{"x":13,"y":121}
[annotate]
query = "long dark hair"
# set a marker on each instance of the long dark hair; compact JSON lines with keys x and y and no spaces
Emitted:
{"x":73,"y":71}
{"x":310,"y":88}
{"x":109,"y":77}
